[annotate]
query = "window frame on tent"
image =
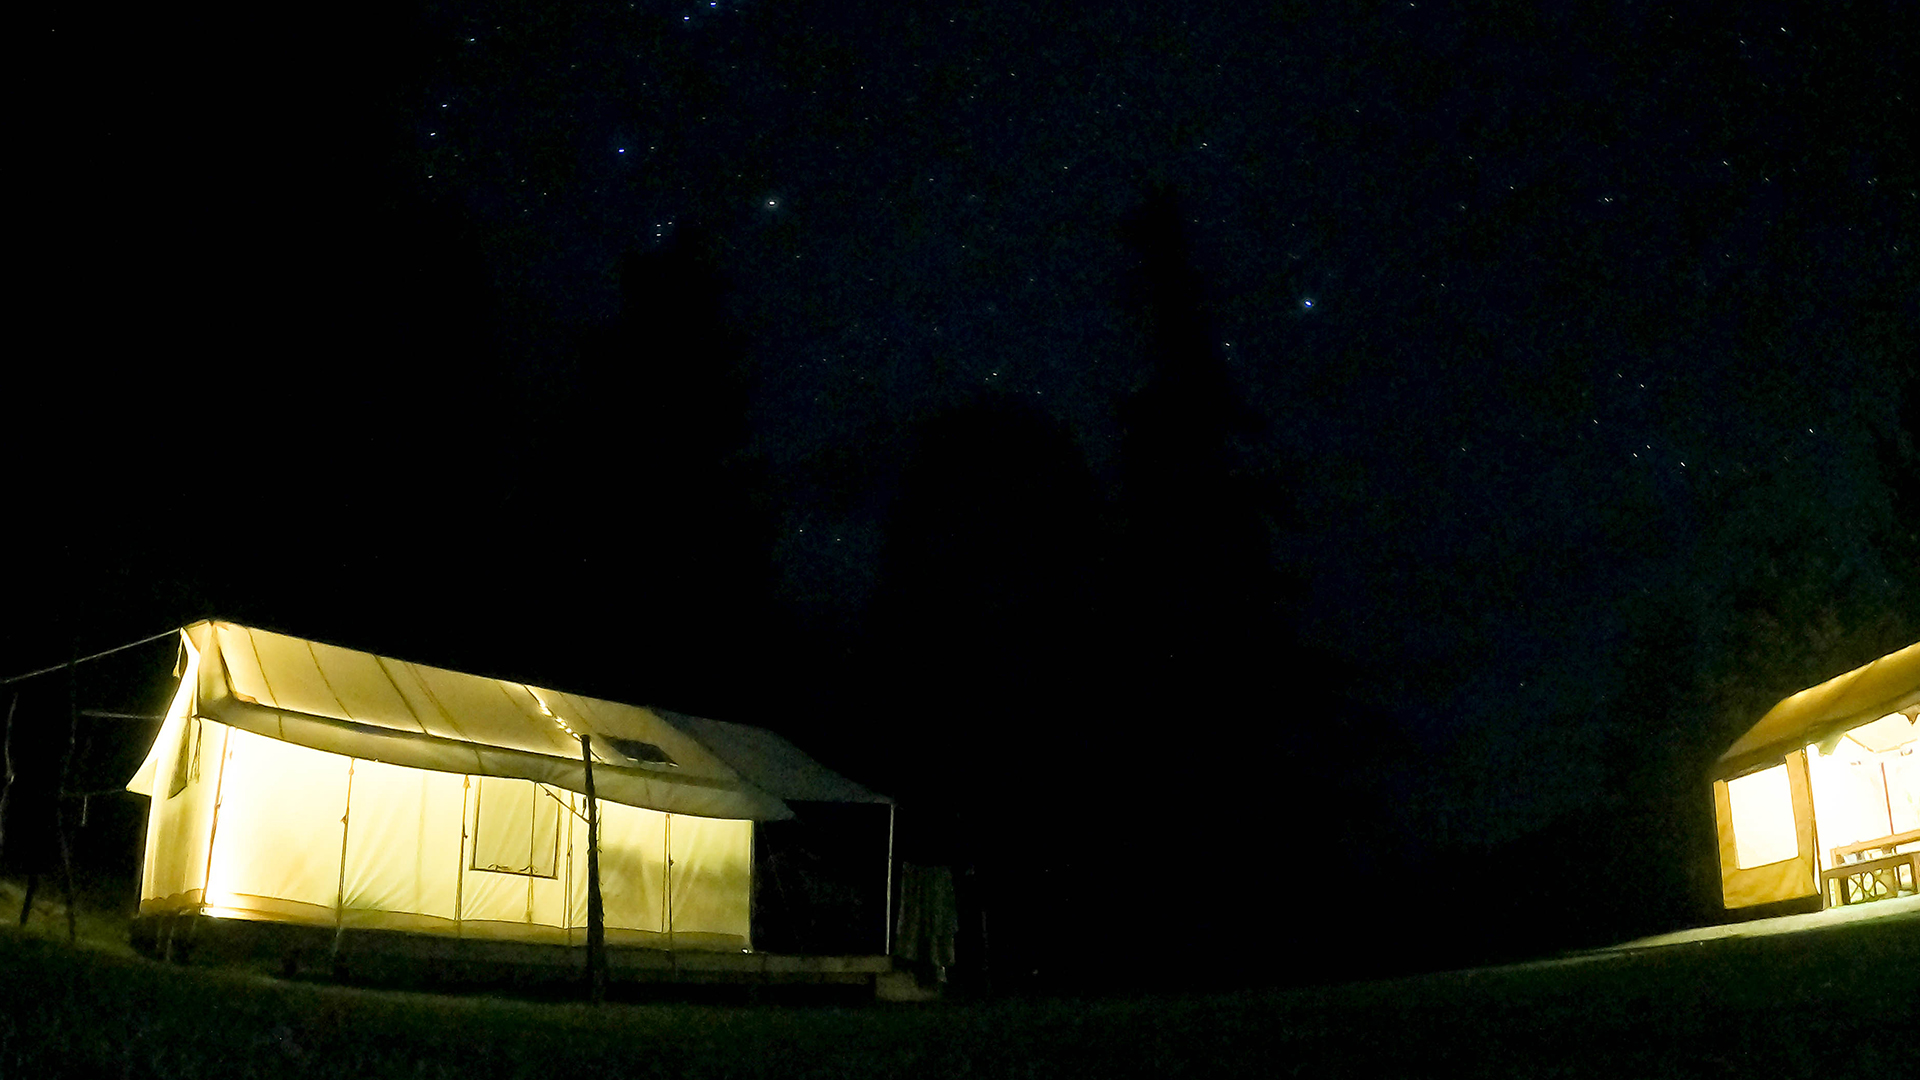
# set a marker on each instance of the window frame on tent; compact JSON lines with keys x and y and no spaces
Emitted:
{"x":534,"y":814}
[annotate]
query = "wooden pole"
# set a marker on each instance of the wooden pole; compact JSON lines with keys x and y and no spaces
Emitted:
{"x":1886,"y":790}
{"x":596,"y":915}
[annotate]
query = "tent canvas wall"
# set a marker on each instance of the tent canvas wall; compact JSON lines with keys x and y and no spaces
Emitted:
{"x":300,"y":782}
{"x":1831,"y":767}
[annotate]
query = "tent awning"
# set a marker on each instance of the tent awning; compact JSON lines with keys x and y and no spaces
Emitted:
{"x":372,"y":707}
{"x":770,"y":762}
{"x":1887,"y":685}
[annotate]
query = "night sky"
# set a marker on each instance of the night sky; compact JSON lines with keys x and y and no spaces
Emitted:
{"x":1423,"y":380}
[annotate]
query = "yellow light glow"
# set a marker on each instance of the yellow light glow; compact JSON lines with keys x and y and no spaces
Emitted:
{"x":328,"y":837}
{"x":550,"y":714}
{"x":1890,"y":732}
{"x":1761,"y":805}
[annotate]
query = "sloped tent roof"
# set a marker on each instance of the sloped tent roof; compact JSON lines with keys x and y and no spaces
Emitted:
{"x":373,"y":707}
{"x":1888,"y":685}
{"x":770,"y":762}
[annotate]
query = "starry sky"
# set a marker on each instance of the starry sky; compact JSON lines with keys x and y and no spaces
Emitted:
{"x":1562,"y":326}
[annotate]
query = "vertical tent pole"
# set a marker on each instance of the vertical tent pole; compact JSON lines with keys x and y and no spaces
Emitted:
{"x":533,"y":818}
{"x":596,"y":916}
{"x":886,"y":906}
{"x":460,"y":873}
{"x":573,"y":816}
{"x":340,"y":896}
{"x":673,"y":957}
{"x":1886,"y":791}
{"x":174,"y":918}
{"x":565,"y":870}
{"x":219,"y":793}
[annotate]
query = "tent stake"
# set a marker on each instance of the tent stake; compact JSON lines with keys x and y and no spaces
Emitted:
{"x":596,"y":916}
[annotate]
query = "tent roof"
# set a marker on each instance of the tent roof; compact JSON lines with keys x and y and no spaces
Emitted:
{"x":770,"y":762}
{"x":377,"y":708}
{"x":1887,"y":685}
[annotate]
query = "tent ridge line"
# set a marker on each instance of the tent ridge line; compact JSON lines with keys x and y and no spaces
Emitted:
{"x":426,"y":688}
{"x":381,"y":663}
{"x":328,"y":683}
{"x":259,"y":664}
{"x":533,"y":720}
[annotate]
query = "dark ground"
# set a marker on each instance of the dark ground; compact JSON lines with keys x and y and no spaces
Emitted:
{"x":1831,"y":1002}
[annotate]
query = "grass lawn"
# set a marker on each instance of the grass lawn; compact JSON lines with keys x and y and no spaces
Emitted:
{"x":1824,"y":1002}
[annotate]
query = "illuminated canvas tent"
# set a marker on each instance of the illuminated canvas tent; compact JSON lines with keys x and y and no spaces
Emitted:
{"x":1822,"y":797}
{"x":299,"y":782}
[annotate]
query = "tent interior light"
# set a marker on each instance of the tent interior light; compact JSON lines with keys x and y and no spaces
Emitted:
{"x":1826,"y":775}
{"x":368,"y":792}
{"x":1763,"y":825}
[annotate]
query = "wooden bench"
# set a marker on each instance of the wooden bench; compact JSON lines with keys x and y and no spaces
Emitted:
{"x":1886,"y":843}
{"x":1876,"y":878}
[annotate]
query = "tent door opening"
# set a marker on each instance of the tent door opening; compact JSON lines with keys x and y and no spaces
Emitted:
{"x":1866,"y":797}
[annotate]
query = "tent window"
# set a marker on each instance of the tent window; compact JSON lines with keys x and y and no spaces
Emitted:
{"x":646,"y":752}
{"x":1761,"y":805}
{"x":517,"y":829}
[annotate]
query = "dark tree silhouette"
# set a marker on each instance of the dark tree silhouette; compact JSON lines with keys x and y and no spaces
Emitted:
{"x":1198,"y":563}
{"x":994,"y":686}
{"x":986,"y":629}
{"x":1220,"y":738}
{"x":664,"y":520}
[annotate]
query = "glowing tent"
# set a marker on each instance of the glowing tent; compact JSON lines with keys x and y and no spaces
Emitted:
{"x":303,"y":783}
{"x":1822,"y":797}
